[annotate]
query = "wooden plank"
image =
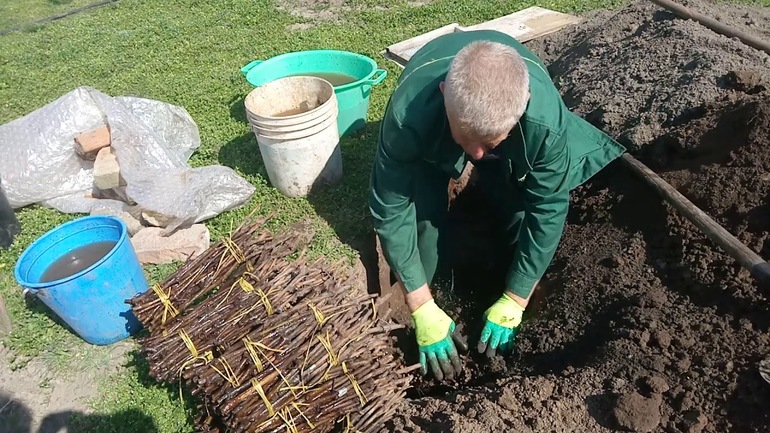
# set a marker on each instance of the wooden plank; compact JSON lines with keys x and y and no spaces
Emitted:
{"x":524,"y":25}
{"x":528,"y":24}
{"x":5,"y":320}
{"x":402,"y":51}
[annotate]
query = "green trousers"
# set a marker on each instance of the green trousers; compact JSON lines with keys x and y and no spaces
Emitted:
{"x":499,"y":192}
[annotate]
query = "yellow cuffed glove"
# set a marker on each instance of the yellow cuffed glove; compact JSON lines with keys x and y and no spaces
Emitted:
{"x":436,"y":338}
{"x":502,"y":321}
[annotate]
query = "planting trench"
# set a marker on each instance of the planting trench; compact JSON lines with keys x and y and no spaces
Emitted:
{"x":642,"y":324}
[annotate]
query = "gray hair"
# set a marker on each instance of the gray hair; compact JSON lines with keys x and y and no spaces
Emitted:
{"x":486,"y":89}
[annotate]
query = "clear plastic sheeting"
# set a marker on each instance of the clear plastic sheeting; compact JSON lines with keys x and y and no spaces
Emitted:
{"x":151,"y":140}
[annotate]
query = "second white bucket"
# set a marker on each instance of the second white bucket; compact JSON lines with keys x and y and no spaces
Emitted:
{"x":295,"y":122}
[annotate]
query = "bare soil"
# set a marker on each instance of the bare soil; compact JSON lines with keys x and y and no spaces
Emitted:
{"x":40,"y":398}
{"x":643,"y":324}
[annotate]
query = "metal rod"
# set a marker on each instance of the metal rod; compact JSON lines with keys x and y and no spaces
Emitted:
{"x":747,"y":258}
{"x":684,"y":12}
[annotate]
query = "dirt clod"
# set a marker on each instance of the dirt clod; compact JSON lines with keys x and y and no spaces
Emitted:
{"x":636,"y":413}
{"x":694,"y":421}
{"x":663,"y":339}
{"x":655,"y":384}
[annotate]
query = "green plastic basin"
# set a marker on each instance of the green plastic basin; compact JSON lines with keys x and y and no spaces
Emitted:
{"x":352,"y":98}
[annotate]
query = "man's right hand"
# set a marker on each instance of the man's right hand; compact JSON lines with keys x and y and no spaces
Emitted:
{"x":436,"y":337}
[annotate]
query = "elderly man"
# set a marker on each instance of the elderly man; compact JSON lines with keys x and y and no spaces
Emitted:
{"x":482,"y":97}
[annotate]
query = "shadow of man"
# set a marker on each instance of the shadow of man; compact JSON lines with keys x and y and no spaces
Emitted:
{"x":127,"y":420}
{"x":15,"y":417}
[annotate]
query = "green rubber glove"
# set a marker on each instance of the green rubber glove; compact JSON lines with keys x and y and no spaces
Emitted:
{"x":436,"y":337}
{"x":502,"y":321}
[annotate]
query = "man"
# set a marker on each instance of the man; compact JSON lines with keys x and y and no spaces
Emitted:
{"x":482,"y":97}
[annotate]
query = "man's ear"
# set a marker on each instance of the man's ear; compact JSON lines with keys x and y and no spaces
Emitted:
{"x":441,"y":87}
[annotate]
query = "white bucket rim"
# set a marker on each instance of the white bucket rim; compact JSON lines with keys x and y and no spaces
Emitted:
{"x":329,"y":122}
{"x":287,"y":130}
{"x":287,"y":121}
{"x":282,"y":81}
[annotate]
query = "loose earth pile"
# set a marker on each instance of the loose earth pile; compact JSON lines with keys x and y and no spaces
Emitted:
{"x":642,"y":324}
{"x":271,"y":344}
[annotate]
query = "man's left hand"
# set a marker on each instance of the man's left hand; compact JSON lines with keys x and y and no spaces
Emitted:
{"x":502,"y":320}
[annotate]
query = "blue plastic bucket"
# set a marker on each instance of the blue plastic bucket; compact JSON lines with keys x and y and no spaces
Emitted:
{"x":93,"y":301}
{"x":352,"y":98}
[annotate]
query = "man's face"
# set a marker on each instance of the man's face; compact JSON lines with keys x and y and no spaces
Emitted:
{"x":476,"y":148}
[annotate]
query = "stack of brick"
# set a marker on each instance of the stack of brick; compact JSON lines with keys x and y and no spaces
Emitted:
{"x":152,"y":244}
{"x":95,"y":146}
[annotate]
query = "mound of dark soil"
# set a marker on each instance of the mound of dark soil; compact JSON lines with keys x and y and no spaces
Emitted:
{"x":643,"y":324}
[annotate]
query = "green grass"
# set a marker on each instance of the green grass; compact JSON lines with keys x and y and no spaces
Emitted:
{"x":16,"y":12}
{"x":188,"y":53}
{"x":132,"y":402}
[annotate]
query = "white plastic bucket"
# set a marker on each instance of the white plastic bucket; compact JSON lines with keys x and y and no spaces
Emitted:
{"x":301,"y":150}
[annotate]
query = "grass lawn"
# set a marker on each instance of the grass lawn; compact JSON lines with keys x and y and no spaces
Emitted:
{"x":188,"y":53}
{"x":14,"y":13}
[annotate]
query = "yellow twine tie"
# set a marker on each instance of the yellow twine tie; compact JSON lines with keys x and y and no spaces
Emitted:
{"x":234,"y":249}
{"x":266,"y":302}
{"x":226,"y":296}
{"x":258,"y":387}
{"x":333,"y":360}
{"x":319,"y":315}
{"x":188,"y":342}
{"x":356,"y":385}
{"x":310,"y":424}
{"x":285,"y":415}
{"x":245,"y":285}
{"x":254,"y":356}
{"x":165,"y":299}
{"x":228,"y":374}
{"x":207,"y":357}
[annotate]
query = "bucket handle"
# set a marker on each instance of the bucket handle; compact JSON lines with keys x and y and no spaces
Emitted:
{"x":376,"y":79}
{"x":250,"y":66}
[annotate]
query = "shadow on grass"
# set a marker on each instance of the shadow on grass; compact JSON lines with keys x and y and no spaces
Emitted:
{"x":15,"y":417}
{"x":34,"y":304}
{"x":238,"y":109}
{"x":242,"y":153}
{"x":343,"y":206}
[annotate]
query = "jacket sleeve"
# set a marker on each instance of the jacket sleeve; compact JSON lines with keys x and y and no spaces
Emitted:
{"x":390,"y":200}
{"x":546,"y":201}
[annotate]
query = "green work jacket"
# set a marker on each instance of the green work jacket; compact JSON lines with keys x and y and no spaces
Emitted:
{"x":550,"y":151}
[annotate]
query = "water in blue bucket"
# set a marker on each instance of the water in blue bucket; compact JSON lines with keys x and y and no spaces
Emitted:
{"x":84,"y":271}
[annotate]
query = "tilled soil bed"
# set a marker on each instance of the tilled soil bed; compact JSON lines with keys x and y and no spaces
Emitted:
{"x":643,"y":324}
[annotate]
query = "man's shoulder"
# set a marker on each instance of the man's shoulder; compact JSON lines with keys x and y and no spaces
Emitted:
{"x":546,"y":110}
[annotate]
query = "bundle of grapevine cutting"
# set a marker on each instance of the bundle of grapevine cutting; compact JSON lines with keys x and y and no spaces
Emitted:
{"x":268,"y":344}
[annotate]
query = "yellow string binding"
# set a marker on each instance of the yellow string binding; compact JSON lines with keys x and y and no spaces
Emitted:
{"x":228,"y":374}
{"x":258,"y":387}
{"x":165,"y":299}
{"x":206,"y":357}
{"x":356,"y":386}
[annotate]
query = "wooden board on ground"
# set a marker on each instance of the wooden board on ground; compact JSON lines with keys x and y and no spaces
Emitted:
{"x":404,"y":50}
{"x":524,"y":25}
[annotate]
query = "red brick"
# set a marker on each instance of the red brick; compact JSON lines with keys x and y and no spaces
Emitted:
{"x":88,"y":144}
